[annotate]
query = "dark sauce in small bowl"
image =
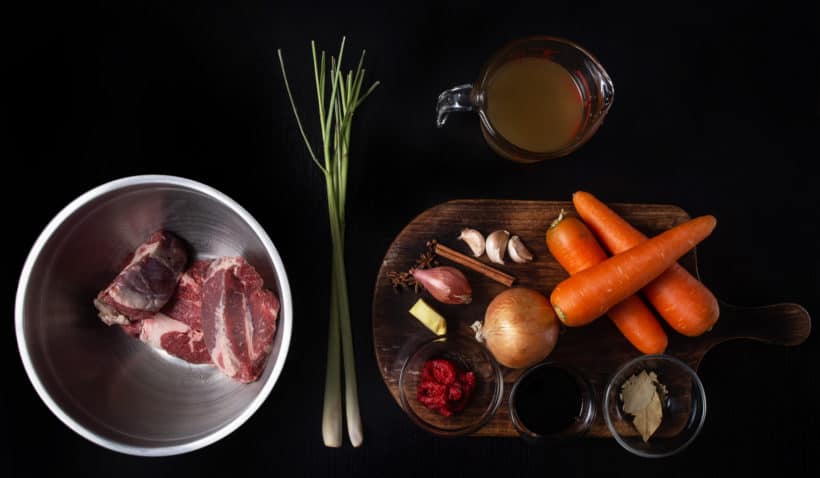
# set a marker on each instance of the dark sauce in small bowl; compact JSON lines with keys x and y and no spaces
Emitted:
{"x":550,"y":400}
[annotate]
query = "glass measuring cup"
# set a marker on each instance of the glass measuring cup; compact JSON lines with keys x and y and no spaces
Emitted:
{"x":595,"y":91}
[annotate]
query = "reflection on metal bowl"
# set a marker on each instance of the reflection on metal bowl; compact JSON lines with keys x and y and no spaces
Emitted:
{"x":113,"y":390}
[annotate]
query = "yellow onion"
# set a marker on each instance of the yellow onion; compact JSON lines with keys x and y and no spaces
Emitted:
{"x":520,"y":328}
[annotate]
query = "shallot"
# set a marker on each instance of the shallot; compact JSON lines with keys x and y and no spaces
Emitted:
{"x":446,"y":284}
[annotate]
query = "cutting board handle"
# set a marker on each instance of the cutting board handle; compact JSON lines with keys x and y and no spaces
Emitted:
{"x":779,"y":324}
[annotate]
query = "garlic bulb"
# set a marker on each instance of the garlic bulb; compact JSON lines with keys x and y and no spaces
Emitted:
{"x":496,"y":245}
{"x":474,"y":239}
{"x":517,"y":251}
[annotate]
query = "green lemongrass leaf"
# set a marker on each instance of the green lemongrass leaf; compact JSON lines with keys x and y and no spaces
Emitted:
{"x":359,"y":76}
{"x":319,"y":78}
{"x":349,"y":88}
{"x":343,"y":92}
{"x":340,"y":168}
{"x":296,"y":113}
{"x":361,"y":62}
{"x":367,"y":93}
{"x":357,"y":86}
{"x":335,"y":66}
{"x":323,"y":74}
{"x":334,"y":92}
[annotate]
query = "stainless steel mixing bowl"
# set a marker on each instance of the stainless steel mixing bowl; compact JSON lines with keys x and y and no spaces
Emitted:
{"x":110,"y":388}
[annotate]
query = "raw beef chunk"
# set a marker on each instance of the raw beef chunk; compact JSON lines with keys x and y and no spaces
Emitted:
{"x":178,"y":328}
{"x":238,"y":318}
{"x":146,"y":284}
{"x":186,"y":305}
{"x":174,"y":337}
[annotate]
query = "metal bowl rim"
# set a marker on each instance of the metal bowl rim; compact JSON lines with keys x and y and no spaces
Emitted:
{"x":286,"y":317}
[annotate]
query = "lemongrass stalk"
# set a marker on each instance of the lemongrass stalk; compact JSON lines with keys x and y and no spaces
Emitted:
{"x":332,"y":406}
{"x":335,"y":119}
{"x":352,"y":414}
{"x":344,"y":114}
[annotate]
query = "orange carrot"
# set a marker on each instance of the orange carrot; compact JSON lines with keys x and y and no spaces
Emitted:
{"x":590,"y":293}
{"x":576,"y":249}
{"x":683,"y":301}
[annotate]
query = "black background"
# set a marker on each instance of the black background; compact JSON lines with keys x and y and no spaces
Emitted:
{"x":717,"y":110}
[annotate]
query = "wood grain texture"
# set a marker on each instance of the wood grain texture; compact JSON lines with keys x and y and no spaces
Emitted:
{"x":596,"y":350}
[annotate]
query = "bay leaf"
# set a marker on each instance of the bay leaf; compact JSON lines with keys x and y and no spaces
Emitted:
{"x":648,"y":420}
{"x":637,"y":392}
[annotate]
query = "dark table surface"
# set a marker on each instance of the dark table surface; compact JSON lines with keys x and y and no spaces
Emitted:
{"x":717,"y":110}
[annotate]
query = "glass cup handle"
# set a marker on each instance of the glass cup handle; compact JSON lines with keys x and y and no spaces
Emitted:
{"x":452,"y":100}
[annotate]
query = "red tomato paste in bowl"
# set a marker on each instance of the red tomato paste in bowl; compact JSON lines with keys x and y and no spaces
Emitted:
{"x":445,"y":387}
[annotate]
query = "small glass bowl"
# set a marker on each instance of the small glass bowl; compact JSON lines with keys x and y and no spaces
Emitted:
{"x":470,"y":356}
{"x":684,"y":409}
{"x":581,"y":423}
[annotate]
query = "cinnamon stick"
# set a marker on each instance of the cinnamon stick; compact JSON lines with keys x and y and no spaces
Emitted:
{"x":473,"y":264}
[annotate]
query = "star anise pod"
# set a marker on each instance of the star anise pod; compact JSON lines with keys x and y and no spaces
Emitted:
{"x":405,"y":280}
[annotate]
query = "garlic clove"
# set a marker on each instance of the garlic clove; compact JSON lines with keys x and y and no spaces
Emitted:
{"x":517,"y":251}
{"x":496,"y":245}
{"x":477,"y":325}
{"x":474,"y":239}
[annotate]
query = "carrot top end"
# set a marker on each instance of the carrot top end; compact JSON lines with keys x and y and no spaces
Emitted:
{"x":560,"y":314}
{"x":558,"y":219}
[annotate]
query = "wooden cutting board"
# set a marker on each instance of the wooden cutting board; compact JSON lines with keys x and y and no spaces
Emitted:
{"x":596,"y":350}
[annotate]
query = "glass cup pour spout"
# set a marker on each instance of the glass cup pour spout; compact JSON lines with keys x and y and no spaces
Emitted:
{"x":453,"y":100}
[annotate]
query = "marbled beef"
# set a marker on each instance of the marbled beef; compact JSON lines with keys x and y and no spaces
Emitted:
{"x":238,"y":318}
{"x":146,"y":284}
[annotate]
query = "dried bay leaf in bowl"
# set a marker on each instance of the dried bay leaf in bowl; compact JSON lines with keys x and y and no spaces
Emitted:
{"x":637,"y":392}
{"x":648,"y":420}
{"x":641,"y":397}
